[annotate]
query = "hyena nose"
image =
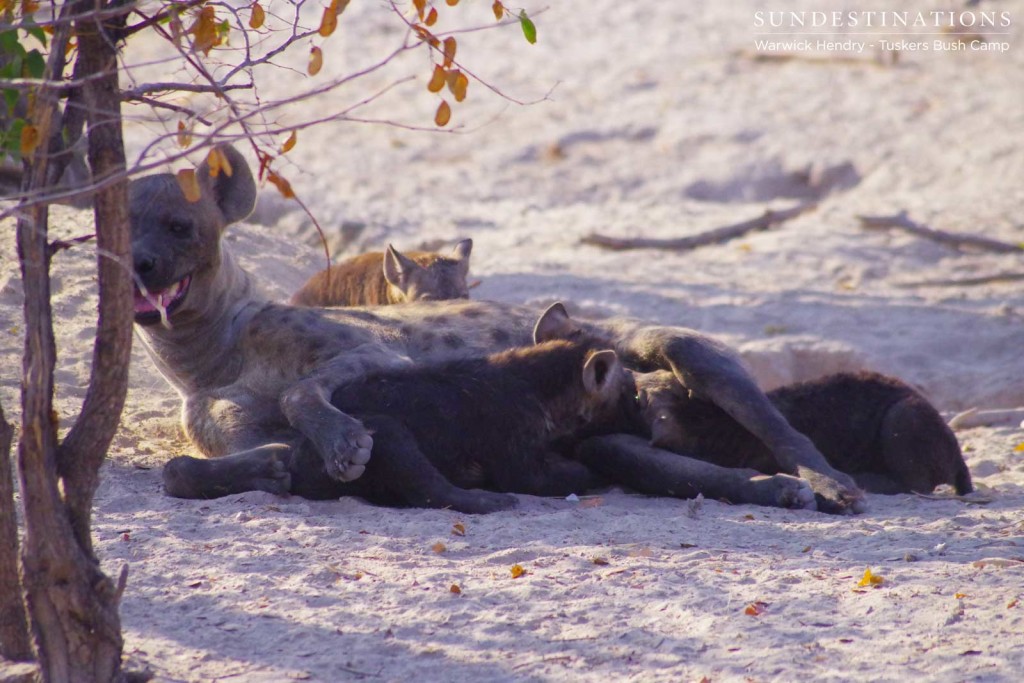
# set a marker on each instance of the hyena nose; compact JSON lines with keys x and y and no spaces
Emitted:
{"x":144,"y":264}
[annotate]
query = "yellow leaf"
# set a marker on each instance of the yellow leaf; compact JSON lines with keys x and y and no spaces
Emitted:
{"x":498,"y":9}
{"x":755,"y":609}
{"x":443,"y":115}
{"x":218,"y":162}
{"x":436,"y":80}
{"x":289,"y":143}
{"x":960,"y":596}
{"x":431,"y":17}
{"x":455,"y":589}
{"x":328,"y":22}
{"x":870,"y":579}
{"x":316,"y":61}
{"x":439,"y":547}
{"x":420,"y":6}
{"x":184,"y":134}
{"x":189,"y":184}
{"x":204,"y":31}
{"x":29,"y":140}
{"x":258,"y":16}
{"x":457,"y":83}
{"x":282,"y":185}
{"x":1019,"y":447}
{"x":458,"y":529}
{"x":449,"y":51}
{"x":517,"y":571}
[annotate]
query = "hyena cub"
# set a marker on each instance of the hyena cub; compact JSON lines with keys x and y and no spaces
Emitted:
{"x":382,"y":278}
{"x":443,"y":431}
{"x":876,"y":428}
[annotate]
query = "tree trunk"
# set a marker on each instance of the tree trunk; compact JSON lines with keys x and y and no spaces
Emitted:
{"x":14,"y":641}
{"x":72,"y":605}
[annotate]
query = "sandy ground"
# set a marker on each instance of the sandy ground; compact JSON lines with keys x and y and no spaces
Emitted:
{"x":659,"y":127}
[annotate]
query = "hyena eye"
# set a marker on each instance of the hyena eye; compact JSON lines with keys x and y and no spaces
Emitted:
{"x":180,"y":228}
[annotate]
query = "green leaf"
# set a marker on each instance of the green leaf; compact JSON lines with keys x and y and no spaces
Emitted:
{"x":529,"y":30}
{"x":33,"y":29}
{"x":10,"y":99}
{"x":35,"y":64}
{"x":9,"y":43}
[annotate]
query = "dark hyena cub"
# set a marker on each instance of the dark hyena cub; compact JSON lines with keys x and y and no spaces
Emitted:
{"x":382,"y":278}
{"x":442,"y":431}
{"x":874,"y":427}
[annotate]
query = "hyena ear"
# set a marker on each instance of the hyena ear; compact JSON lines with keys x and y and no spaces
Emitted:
{"x":233,"y":188}
{"x":601,"y":371}
{"x":462,"y":250}
{"x":398,"y":268}
{"x":461,"y":254}
{"x":554,"y":323}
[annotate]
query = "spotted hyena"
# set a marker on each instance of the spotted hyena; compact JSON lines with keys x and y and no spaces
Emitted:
{"x":390,"y":277}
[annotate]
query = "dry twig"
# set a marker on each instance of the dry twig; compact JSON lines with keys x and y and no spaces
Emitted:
{"x":768,"y":219}
{"x":955,"y":240}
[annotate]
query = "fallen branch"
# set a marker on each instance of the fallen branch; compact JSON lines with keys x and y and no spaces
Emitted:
{"x":966,"y":281}
{"x":768,"y":219}
{"x":955,"y":240}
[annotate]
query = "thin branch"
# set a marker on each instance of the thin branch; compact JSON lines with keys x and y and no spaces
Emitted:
{"x":148,"y":21}
{"x":956,"y":240}
{"x":768,"y":219}
{"x":157,"y":104}
{"x":150,"y":88}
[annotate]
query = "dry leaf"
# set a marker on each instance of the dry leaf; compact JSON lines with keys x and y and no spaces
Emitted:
{"x":439,"y":547}
{"x":431,"y":17}
{"x":443,"y":115}
{"x":498,"y":9}
{"x":870,"y":579}
{"x":595,"y":502}
{"x":316,"y":61}
{"x":420,"y":6}
{"x":218,"y":162}
{"x":189,"y":184}
{"x":29,"y":140}
{"x":517,"y":571}
{"x":205,"y":35}
{"x":1013,"y":603}
{"x":458,"y":529}
{"x":600,"y":560}
{"x":755,"y":609}
{"x":184,"y":134}
{"x":449,"y":51}
{"x":258,"y":16}
{"x":452,"y":3}
{"x":289,"y":143}
{"x":457,"y":83}
{"x":455,"y":589}
{"x":437,"y":79}
{"x":282,"y":185}
{"x":328,"y":22}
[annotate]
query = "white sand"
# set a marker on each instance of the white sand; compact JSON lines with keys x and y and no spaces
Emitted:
{"x":655,"y":129}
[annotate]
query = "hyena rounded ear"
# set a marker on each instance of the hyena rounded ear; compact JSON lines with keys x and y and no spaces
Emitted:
{"x":601,"y":371}
{"x":233,"y":188}
{"x":398,"y":267}
{"x":554,"y":323}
